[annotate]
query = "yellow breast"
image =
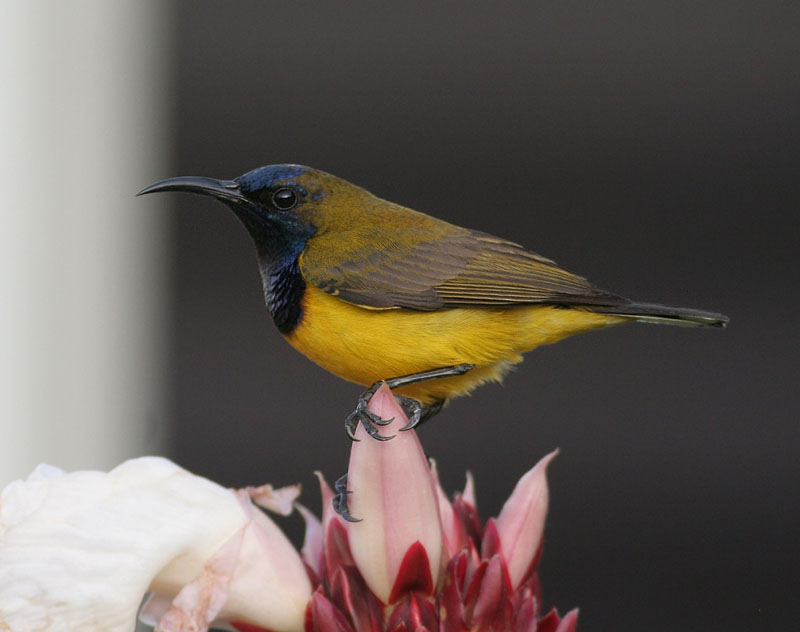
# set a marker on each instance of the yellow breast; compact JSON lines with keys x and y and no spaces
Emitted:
{"x":367,"y":345}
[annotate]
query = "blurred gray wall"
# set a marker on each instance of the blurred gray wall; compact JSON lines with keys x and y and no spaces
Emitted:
{"x":84,"y":120}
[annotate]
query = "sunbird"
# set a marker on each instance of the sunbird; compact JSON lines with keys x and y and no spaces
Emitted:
{"x":373,"y":291}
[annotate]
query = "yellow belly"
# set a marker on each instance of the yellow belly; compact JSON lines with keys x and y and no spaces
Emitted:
{"x":366,"y":345}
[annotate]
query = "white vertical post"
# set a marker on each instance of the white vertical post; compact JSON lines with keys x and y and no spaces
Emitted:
{"x":83,"y":126}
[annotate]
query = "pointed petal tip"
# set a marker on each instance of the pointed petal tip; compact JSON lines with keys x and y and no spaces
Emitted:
{"x":454,"y":535}
{"x":492,"y":607}
{"x":551,"y":622}
{"x":383,"y":394}
{"x":323,"y":616}
{"x":312,"y":540}
{"x":329,"y":515}
{"x":325,"y":491}
{"x":541,"y":466}
{"x":414,"y":574}
{"x":280,"y":501}
{"x":520,"y":525}
{"x":469,"y":490}
{"x":570,"y":622}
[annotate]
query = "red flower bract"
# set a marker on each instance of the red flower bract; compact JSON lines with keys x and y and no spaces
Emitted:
{"x":419,"y":562}
{"x":475,"y":592}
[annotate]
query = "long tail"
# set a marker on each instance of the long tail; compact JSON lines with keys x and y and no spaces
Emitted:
{"x":662,"y":314}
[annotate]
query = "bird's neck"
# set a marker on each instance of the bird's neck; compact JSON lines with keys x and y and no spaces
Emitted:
{"x":283,"y":291}
{"x":278,"y":248}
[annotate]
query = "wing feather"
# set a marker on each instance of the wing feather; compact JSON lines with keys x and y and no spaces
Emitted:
{"x":442,"y":266}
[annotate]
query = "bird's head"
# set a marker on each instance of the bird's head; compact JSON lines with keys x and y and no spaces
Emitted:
{"x":281,"y":206}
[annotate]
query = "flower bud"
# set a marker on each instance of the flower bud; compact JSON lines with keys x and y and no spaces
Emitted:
{"x":397,"y":545}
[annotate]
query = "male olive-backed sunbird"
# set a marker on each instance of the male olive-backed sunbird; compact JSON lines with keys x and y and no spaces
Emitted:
{"x":369,"y":289}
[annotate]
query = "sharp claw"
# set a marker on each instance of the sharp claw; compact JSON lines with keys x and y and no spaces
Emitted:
{"x":350,"y":433}
{"x":367,"y":418}
{"x":340,"y":499}
{"x":412,"y":408}
{"x":340,"y":486}
{"x":346,"y":515}
{"x":375,"y":419}
{"x":412,"y":423}
{"x":350,"y":426}
{"x":372,"y":431}
{"x":340,"y":507}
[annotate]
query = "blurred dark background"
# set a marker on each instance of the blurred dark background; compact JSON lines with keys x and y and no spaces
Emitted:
{"x":652,"y":147}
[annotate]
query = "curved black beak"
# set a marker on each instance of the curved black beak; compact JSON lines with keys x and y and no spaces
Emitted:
{"x":224,"y":190}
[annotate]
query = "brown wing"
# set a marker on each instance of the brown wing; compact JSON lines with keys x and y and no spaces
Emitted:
{"x":504,"y":273}
{"x":453,"y":267}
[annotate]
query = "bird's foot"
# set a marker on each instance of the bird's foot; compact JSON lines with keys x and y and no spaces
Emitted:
{"x":415,"y":411}
{"x":367,"y":418}
{"x":340,"y":499}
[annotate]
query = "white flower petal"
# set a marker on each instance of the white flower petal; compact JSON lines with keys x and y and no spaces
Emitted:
{"x":270,"y":586}
{"x":78,"y":551}
{"x":200,"y":601}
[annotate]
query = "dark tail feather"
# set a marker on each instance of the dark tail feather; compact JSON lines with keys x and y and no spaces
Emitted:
{"x":653,"y":313}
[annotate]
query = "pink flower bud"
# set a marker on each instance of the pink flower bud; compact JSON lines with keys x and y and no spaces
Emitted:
{"x":397,"y":546}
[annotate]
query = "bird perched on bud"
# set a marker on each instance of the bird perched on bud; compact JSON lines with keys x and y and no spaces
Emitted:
{"x":346,"y":273}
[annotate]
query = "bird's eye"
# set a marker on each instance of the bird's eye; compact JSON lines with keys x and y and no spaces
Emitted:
{"x":284,"y":199}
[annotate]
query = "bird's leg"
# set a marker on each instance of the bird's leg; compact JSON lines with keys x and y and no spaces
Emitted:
{"x":340,"y":499}
{"x":416,"y":412}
